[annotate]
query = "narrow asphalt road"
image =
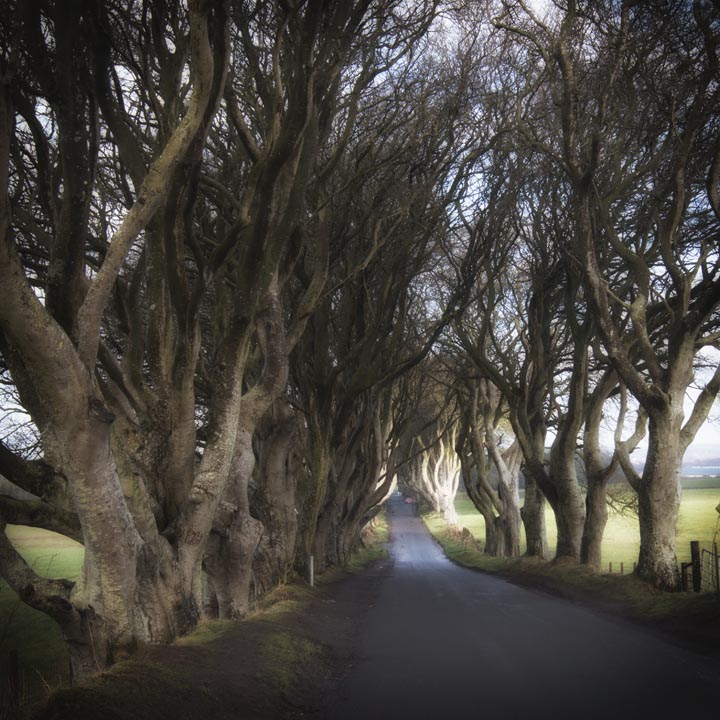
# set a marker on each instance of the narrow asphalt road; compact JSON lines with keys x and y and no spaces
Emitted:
{"x":443,"y":642}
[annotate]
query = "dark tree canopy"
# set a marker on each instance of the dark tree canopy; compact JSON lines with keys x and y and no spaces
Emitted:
{"x":262,"y":261}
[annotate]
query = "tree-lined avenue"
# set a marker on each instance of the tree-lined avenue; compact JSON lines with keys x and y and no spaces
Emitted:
{"x":442,"y":640}
{"x":264,"y":262}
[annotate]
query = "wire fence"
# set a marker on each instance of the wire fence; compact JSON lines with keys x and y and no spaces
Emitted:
{"x":701,"y":574}
{"x":621,"y":568}
{"x":709,"y":568}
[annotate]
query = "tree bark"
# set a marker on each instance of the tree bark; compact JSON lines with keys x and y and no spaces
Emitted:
{"x":659,"y":494}
{"x":274,"y":500}
{"x":510,"y":517}
{"x":229,"y":558}
{"x":533,"y":517}
{"x":596,"y":515}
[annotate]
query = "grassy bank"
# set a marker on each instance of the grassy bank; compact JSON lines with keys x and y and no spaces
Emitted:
{"x":373,"y":547}
{"x":41,"y":650}
{"x":695,"y":618}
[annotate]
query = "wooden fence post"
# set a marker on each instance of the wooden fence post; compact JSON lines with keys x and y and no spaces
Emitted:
{"x":696,"y":565}
{"x":684,"y":576}
{"x":717,"y":568}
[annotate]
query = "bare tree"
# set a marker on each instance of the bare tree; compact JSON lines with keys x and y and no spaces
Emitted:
{"x":480,"y":452}
{"x":52,"y":336}
{"x":644,"y":191}
{"x":155,"y":163}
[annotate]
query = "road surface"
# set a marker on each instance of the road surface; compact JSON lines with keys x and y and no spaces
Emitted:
{"x":444,"y":642}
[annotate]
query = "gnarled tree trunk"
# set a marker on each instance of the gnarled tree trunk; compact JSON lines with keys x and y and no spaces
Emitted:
{"x":274,"y":500}
{"x":659,"y":492}
{"x":533,"y":517}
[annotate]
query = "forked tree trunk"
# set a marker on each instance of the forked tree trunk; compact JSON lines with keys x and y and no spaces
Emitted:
{"x":348,"y":540}
{"x":340,"y":523}
{"x":510,"y":520}
{"x":129,"y":591}
{"x":237,"y":533}
{"x":439,"y":478}
{"x":569,"y":513}
{"x":507,"y":464}
{"x":229,"y":559}
{"x":311,"y":494}
{"x":494,"y":536}
{"x":478,"y":492}
{"x":597,"y":473}
{"x":596,"y":515}
{"x":324,"y":548}
{"x":533,"y":517}
{"x":104,"y":595}
{"x":565,"y":496}
{"x":116,"y":602}
{"x":274,"y":501}
{"x":659,"y":493}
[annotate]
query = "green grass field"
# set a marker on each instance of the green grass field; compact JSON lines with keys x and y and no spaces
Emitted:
{"x":36,"y":638}
{"x":697,"y":521}
{"x":42,"y":653}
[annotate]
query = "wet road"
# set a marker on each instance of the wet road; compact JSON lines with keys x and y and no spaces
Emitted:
{"x":442,"y":642}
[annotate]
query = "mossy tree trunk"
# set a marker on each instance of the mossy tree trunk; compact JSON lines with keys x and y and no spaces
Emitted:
{"x":274,"y":501}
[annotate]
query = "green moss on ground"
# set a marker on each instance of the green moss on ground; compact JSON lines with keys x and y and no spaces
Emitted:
{"x":285,"y":656}
{"x":137,"y":689}
{"x":206,"y":632}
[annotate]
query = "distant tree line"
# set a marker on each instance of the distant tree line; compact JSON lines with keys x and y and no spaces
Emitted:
{"x":259,"y":260}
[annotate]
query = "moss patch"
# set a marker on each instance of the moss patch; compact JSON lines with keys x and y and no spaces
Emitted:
{"x":206,"y":632}
{"x":140,"y":688}
{"x":285,"y":656}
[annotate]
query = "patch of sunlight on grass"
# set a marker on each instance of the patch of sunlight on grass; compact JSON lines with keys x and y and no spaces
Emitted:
{"x":49,"y":554}
{"x":206,"y":632}
{"x":698,"y":519}
{"x":42,"y":652}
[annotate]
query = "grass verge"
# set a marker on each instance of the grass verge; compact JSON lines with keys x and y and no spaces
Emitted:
{"x":274,"y":664}
{"x":373,"y":544}
{"x":693,"y":618}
